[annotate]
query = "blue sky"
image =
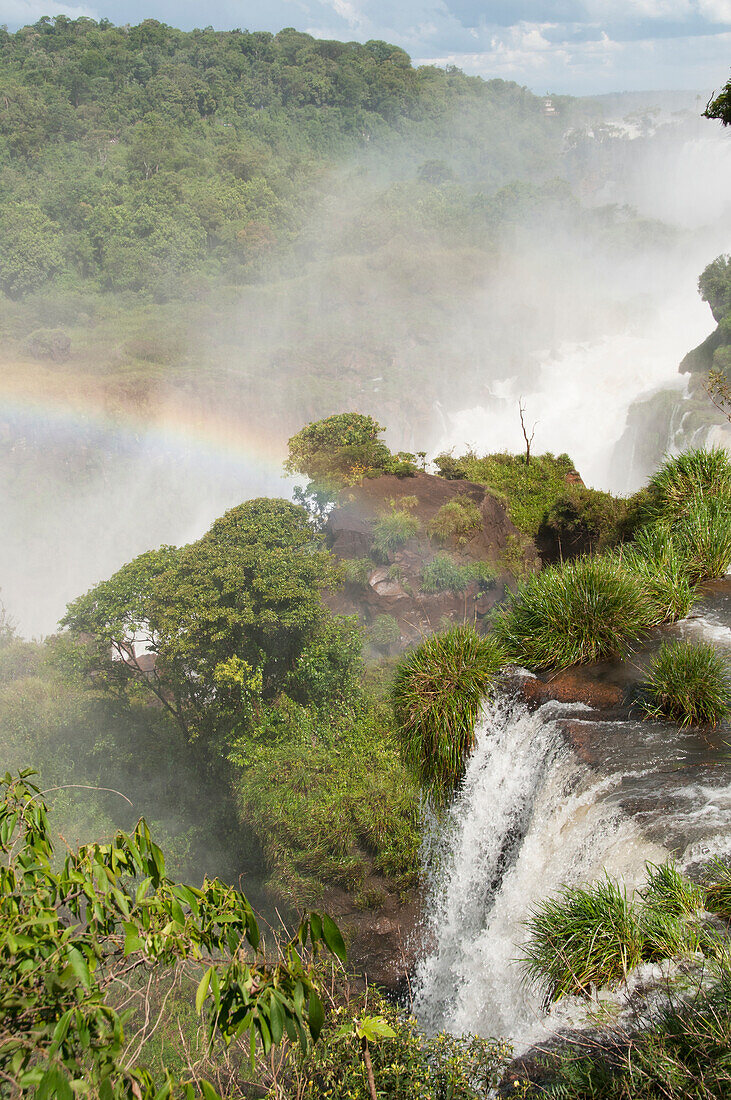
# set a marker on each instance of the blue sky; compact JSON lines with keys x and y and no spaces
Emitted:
{"x":574,"y":46}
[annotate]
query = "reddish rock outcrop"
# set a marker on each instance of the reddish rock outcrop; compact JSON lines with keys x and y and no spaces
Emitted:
{"x":393,"y":588}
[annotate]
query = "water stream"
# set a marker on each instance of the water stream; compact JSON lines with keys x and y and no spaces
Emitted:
{"x":551,"y":796}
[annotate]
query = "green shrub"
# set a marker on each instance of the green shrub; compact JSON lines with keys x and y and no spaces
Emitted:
{"x":663,"y":567}
{"x":357,"y":571}
{"x":385,"y":633}
{"x":582,"y":519}
{"x":594,"y":935}
{"x":458,"y":519}
{"x":529,"y":491}
{"x":696,"y":474}
{"x":392,"y":530}
{"x":338,"y":449}
{"x":437,"y":694}
{"x":586,"y":936}
{"x":450,"y":468}
{"x":407,"y":1065}
{"x":688,"y":683}
{"x":328,"y":797}
{"x":443,"y":574}
{"x":589,"y":609}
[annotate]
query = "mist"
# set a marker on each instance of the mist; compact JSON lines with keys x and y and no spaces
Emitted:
{"x":582,"y":301}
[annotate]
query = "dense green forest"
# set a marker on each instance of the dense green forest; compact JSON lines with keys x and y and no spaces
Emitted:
{"x":148,"y":159}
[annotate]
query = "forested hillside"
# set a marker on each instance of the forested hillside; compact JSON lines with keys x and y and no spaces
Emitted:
{"x":146,"y":158}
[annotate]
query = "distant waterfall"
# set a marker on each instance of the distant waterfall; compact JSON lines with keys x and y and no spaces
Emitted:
{"x":528,"y":818}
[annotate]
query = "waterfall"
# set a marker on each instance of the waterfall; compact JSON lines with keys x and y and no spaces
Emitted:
{"x":528,"y":817}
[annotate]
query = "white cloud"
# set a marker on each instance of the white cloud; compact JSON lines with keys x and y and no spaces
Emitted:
{"x":19,"y":13}
{"x":525,"y":54}
{"x":715,"y":11}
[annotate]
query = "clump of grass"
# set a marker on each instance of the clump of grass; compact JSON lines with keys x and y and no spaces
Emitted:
{"x":437,"y":694}
{"x":688,"y":683}
{"x":718,"y":890}
{"x":357,"y":571}
{"x":699,"y":473}
{"x":704,"y":533}
{"x":668,"y":891}
{"x":594,"y":935}
{"x":584,"y":937}
{"x":392,"y":530}
{"x":458,"y":519}
{"x":443,"y":574}
{"x":588,"y":609}
{"x":663,"y":567}
{"x":385,"y":633}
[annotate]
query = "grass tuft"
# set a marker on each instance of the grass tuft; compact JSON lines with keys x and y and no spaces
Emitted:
{"x":670,"y":892}
{"x":588,"y":609}
{"x":392,"y":530}
{"x":437,"y":694}
{"x":663,"y":567}
{"x":698,"y":474}
{"x":458,"y":519}
{"x":584,"y":937}
{"x":444,"y":574}
{"x":591,"y":936}
{"x":688,"y":683}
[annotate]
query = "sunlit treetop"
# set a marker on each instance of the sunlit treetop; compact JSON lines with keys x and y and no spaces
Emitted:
{"x":720,"y":107}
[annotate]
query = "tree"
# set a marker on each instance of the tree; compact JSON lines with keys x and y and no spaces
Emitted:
{"x":231,"y":621}
{"x":720,"y":106}
{"x":714,"y":286}
{"x":338,"y":450}
{"x":77,"y":938}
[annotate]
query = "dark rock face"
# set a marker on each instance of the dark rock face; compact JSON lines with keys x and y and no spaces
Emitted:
{"x":382,"y":943}
{"x":393,"y":587}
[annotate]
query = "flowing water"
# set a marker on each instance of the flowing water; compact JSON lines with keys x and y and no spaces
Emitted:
{"x":551,"y":796}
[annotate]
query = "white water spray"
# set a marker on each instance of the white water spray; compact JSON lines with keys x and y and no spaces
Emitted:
{"x":528,"y":818}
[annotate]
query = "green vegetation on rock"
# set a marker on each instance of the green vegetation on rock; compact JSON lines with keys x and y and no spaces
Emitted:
{"x":593,"y":936}
{"x":529,"y":490}
{"x":444,"y":574}
{"x":589,"y":609}
{"x":688,"y":683}
{"x":437,"y":694}
{"x":456,"y":520}
{"x":327,"y":796}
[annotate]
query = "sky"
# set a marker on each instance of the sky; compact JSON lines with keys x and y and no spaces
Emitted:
{"x":579,"y":47}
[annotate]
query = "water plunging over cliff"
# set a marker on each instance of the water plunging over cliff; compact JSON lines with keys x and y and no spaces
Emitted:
{"x":529,"y":817}
{"x":557,"y":795}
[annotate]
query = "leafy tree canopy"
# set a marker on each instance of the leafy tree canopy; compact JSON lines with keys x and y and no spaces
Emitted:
{"x":230,"y":621}
{"x":74,"y":939}
{"x":720,"y":106}
{"x":339,"y":449}
{"x":715,"y":287}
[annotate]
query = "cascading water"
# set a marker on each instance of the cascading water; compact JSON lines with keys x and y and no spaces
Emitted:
{"x":528,"y":817}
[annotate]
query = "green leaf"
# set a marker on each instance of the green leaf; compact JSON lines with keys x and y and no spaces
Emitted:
{"x":208,"y":1091}
{"x":315,"y":1015}
{"x":78,"y":964}
{"x":333,"y":938}
{"x":132,"y":940}
{"x":54,"y":1085}
{"x":202,"y":990}
{"x":276,"y":1020}
{"x":373,"y":1028}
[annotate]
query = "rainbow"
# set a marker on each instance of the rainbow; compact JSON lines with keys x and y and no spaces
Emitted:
{"x":173,"y":427}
